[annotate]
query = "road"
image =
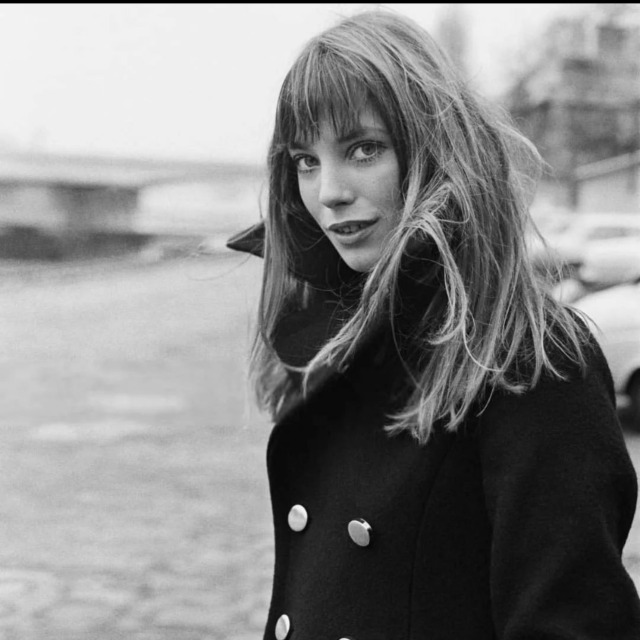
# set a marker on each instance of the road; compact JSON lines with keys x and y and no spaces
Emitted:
{"x":133,"y":491}
{"x":134,"y":498}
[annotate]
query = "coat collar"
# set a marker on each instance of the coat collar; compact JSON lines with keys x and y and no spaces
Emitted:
{"x":317,"y":263}
{"x":301,"y":333}
{"x":250,"y":240}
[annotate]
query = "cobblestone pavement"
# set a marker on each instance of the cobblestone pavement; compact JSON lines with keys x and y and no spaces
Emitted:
{"x":133,"y":495}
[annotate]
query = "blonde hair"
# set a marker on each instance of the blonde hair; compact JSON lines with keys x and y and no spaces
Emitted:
{"x":492,"y":323}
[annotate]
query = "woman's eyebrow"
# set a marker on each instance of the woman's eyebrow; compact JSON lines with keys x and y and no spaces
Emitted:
{"x":303,"y":146}
{"x":359,"y":132}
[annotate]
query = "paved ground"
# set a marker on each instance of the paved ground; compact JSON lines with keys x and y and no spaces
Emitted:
{"x":133,"y":498}
{"x":133,"y":492}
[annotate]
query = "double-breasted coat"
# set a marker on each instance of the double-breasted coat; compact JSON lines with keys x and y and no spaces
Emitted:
{"x":511,"y":528}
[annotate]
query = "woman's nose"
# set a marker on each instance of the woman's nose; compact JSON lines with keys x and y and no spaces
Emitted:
{"x":334,"y":190}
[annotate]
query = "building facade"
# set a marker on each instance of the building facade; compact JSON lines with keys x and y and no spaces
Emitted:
{"x":580,"y":102}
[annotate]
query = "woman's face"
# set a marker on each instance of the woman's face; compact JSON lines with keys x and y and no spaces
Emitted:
{"x":351,"y":187}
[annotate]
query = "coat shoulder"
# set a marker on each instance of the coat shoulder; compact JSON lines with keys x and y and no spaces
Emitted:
{"x":558,"y":413}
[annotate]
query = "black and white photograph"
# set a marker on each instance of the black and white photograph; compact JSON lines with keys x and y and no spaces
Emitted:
{"x":319,"y":321}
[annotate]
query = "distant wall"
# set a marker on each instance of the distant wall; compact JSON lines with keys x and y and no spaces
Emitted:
{"x":97,"y":208}
{"x":58,"y":206}
{"x":53,"y":222}
{"x":31,"y":205}
{"x":64,"y":207}
{"x":613,"y":192}
{"x":204,"y":206}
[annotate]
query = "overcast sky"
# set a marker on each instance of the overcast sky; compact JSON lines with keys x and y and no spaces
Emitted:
{"x":191,"y":80}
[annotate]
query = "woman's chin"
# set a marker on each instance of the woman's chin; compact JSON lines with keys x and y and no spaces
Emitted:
{"x":360,"y":261}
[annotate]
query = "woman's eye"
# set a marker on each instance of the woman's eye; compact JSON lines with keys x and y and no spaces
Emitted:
{"x":366,"y":151}
{"x":304,"y":163}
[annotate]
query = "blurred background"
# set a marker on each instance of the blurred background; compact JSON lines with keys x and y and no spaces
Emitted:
{"x":133,"y":493}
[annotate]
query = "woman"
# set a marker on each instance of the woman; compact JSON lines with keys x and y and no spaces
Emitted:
{"x":446,"y":461}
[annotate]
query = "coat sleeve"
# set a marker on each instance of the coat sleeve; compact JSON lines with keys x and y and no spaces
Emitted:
{"x":560,"y":492}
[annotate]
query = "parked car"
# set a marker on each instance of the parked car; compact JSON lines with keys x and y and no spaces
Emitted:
{"x":605,"y":263}
{"x":616,"y":316}
{"x":585,"y":228}
{"x":610,"y":262}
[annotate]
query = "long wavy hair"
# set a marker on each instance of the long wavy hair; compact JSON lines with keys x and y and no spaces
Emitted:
{"x":466,"y":180}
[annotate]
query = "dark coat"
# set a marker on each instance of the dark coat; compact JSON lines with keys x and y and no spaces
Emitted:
{"x":511,"y":529}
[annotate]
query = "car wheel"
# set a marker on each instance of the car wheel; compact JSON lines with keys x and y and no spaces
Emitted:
{"x":634,"y":397}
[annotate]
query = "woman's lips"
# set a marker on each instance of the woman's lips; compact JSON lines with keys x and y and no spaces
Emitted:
{"x":351,"y":231}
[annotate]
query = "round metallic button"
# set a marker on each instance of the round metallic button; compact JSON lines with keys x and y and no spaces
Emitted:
{"x":298,"y":517}
{"x":360,"y":532}
{"x":283,"y":626}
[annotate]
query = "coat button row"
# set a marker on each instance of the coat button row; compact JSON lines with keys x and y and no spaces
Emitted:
{"x":360,"y":532}
{"x":298,"y":517}
{"x":359,"y":529}
{"x":283,"y":626}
